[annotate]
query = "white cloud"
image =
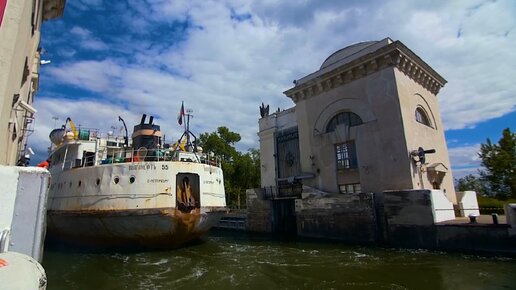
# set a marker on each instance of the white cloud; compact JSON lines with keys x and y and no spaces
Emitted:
{"x":465,"y":156}
{"x":96,"y":76}
{"x":67,"y":52}
{"x":464,"y":160}
{"x":461,"y":172}
{"x":81,"y":32}
{"x":87,"y":40}
{"x":83,"y":5}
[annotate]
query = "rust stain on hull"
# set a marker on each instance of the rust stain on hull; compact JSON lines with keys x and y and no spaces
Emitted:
{"x":162,"y":228}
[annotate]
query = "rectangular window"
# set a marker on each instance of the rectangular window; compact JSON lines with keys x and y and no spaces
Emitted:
{"x":25,"y":72}
{"x":350,"y":188}
{"x":346,"y":155}
{"x":33,"y":16}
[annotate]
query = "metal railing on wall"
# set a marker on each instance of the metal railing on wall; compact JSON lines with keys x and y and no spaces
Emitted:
{"x":282,"y":192}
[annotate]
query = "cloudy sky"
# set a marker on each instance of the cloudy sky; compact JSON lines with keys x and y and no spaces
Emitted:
{"x":223,"y":58}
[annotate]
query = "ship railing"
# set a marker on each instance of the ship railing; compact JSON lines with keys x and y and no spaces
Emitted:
{"x":129,"y":155}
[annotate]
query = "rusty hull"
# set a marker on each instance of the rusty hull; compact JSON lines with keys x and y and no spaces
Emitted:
{"x":161,"y":228}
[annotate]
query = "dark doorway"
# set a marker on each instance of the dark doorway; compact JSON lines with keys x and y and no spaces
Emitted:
{"x":284,"y":217}
{"x":187,"y":192}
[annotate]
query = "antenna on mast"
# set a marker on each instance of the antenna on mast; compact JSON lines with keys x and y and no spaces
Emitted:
{"x":187,"y":133}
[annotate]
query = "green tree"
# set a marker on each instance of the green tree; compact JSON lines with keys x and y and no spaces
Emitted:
{"x":221,"y":143}
{"x":499,"y":161}
{"x":241,"y":170}
{"x":471,"y":182}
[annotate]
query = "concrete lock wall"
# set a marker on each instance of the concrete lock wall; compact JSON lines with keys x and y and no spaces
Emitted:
{"x":349,"y":217}
{"x":406,"y":219}
{"x":475,"y":237}
{"x":259,"y":212}
{"x":410,"y":217}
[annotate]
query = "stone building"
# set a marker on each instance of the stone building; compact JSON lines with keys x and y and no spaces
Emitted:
{"x":20,"y":26}
{"x":367,"y":121}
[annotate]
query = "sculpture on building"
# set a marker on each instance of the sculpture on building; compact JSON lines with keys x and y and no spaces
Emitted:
{"x":264,"y":110}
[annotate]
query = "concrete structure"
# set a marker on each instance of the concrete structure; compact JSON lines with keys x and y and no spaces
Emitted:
{"x":412,"y":223}
{"x":23,"y":196}
{"x":20,"y":25}
{"x":259,"y":217}
{"x":403,"y":219}
{"x":510,"y":213}
{"x":467,"y":203}
{"x":353,"y":218}
{"x":362,"y":158}
{"x":23,"y":206}
{"x":361,"y":123}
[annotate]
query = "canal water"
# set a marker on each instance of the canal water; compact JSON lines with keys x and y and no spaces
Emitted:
{"x":225,"y":260}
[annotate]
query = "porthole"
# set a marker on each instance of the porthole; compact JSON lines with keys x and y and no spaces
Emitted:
{"x":98,"y":181}
{"x":80,"y":183}
{"x":116,"y":180}
{"x":132,"y":179}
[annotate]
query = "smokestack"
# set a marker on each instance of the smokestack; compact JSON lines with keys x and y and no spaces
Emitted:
{"x":151,"y":119}
{"x":143,"y":119}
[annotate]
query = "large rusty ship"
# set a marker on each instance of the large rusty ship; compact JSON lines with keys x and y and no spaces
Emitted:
{"x":111,"y":191}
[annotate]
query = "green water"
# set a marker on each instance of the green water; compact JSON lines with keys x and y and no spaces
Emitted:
{"x":231,"y":261}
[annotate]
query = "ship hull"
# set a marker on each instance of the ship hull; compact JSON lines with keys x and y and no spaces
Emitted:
{"x":133,"y":204}
{"x":151,"y":228}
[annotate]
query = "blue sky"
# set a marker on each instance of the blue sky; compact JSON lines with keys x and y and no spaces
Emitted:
{"x":223,"y":58}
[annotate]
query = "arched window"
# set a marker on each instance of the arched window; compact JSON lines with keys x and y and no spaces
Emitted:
{"x":347,"y":118}
{"x":422,"y":117}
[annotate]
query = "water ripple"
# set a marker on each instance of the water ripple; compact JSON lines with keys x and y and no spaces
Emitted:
{"x":234,"y":262}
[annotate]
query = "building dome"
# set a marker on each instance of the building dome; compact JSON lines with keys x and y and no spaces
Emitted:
{"x":346,"y":53}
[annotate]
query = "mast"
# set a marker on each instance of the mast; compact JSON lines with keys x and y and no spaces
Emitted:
{"x":187,"y":133}
{"x":187,"y":126}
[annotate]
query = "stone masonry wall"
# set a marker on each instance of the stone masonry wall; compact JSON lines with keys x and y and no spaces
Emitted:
{"x":349,"y":217}
{"x":410,"y":221}
{"x":259,"y":212}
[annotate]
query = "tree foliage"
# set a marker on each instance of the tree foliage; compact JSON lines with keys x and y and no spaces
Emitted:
{"x":471,"y":182}
{"x":241,"y":170}
{"x":499,"y":161}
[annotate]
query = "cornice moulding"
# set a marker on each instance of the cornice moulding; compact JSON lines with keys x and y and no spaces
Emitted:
{"x":53,"y":9}
{"x":395,"y":54}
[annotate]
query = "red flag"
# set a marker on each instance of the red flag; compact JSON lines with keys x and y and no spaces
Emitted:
{"x":181,"y":114}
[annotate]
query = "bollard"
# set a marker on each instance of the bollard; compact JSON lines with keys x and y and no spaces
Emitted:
{"x":472,"y":218}
{"x":495,"y":218}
